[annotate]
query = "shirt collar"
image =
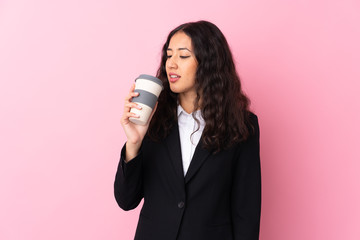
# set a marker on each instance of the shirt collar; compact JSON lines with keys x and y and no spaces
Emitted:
{"x":180,"y":111}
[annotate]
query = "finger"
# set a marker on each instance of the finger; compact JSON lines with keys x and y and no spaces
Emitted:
{"x":132,"y":87}
{"x":132,"y":105}
{"x":130,"y":96}
{"x":130,"y":114}
{"x":131,"y":93}
{"x":134,"y":94}
{"x":125,"y":117}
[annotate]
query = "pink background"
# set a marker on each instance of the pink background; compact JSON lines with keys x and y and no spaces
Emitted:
{"x":65,"y":67}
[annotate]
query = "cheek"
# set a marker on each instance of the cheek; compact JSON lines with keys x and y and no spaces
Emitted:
{"x":193,"y":69}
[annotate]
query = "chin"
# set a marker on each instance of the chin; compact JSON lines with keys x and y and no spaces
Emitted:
{"x":174,"y":89}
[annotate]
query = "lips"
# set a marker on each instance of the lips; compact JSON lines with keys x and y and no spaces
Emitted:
{"x":173,"y":77}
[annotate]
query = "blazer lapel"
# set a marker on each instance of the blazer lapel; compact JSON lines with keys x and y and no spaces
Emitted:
{"x":172,"y":141}
{"x":198,"y":159}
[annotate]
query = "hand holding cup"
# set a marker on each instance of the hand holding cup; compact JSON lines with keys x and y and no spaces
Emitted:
{"x":135,"y":121}
{"x":149,"y":89}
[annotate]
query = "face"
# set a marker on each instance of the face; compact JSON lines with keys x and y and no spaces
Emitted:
{"x":181,"y":65}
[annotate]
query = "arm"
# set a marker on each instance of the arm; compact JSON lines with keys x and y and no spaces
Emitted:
{"x":246,"y":191}
{"x":128,"y":185}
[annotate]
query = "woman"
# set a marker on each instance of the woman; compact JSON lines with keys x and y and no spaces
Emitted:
{"x":196,"y":163}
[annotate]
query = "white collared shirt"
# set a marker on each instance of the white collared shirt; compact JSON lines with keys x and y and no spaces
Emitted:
{"x":188,"y":142}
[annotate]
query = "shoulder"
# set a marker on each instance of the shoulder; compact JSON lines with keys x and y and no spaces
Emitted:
{"x":253,"y":117}
{"x":252,"y":123}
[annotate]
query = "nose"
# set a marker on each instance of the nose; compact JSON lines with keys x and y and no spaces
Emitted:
{"x":171,"y":63}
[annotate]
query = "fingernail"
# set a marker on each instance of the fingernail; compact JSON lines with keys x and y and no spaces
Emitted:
{"x":139,"y":107}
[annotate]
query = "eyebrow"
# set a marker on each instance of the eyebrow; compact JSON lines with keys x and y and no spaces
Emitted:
{"x":169,"y":49}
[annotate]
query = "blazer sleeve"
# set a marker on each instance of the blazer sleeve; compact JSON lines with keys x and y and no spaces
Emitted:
{"x":128,"y":185}
{"x":246,"y":189}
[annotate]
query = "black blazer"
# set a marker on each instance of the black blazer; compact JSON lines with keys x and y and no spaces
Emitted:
{"x":219,"y":198}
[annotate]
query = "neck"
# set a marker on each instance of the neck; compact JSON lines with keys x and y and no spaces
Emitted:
{"x":187,"y":102}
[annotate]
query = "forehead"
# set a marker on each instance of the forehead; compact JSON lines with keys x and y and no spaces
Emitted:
{"x":180,"y":40}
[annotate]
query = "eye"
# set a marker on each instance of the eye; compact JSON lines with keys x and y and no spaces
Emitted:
{"x":184,"y":56}
{"x":168,"y":56}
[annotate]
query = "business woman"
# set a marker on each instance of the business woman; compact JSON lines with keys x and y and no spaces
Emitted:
{"x":196,"y":163}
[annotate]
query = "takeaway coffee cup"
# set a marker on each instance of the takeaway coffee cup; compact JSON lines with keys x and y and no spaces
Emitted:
{"x":149,"y":89}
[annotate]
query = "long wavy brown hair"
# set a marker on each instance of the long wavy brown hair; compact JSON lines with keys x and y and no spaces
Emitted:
{"x":224,"y":106}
